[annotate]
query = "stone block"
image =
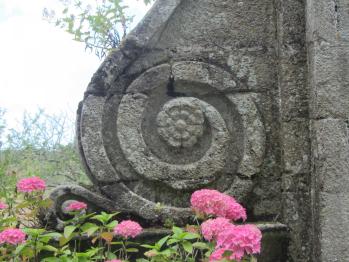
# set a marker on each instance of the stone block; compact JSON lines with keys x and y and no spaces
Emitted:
{"x":333,"y":226}
{"x":296,"y":146}
{"x":330,"y":146}
{"x":330,"y":79}
{"x":330,"y":178}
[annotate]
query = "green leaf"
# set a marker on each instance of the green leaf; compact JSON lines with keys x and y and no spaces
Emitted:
{"x":200,"y":245}
{"x":68,"y":230}
{"x":63,"y":240}
{"x":188,"y":247}
{"x":20,"y":248}
{"x":89,"y":228}
{"x":172,"y":241}
{"x":44,"y":239}
{"x":33,"y":231}
{"x":177,"y":230}
{"x":132,"y":250}
{"x":92,"y":252}
{"x":148,"y":246}
{"x":117,"y":243}
{"x":167,"y":252}
{"x":189,"y":236}
{"x":100,"y":218}
{"x":28,"y":252}
{"x":112,"y":224}
{"x":162,"y":241}
{"x":49,"y":248}
{"x":208,"y":253}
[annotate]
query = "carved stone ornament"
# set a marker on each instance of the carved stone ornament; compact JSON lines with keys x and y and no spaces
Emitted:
{"x":151,"y":132}
{"x":181,"y":122}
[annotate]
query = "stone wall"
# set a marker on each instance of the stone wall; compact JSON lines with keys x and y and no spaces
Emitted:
{"x":294,"y":118}
{"x":328,"y":59}
{"x":249,"y":97}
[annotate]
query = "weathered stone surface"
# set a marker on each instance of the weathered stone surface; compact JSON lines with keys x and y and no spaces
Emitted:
{"x":330,"y":189}
{"x":160,"y":69}
{"x":204,"y":73}
{"x":331,"y":152}
{"x":331,"y":97}
{"x":94,"y":152}
{"x":328,"y":56}
{"x":296,"y":146}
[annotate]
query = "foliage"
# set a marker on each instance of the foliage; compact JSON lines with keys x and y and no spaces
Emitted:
{"x":41,"y":244}
{"x":101,"y":25}
{"x":43,"y":146}
{"x":40,"y":130}
{"x":179,"y":246}
{"x":2,"y":125}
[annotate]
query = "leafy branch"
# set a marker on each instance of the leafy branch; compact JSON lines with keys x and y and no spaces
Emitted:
{"x":101,"y":26}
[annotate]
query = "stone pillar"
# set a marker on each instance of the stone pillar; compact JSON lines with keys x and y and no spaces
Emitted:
{"x":328,"y":76}
{"x":294,"y":120}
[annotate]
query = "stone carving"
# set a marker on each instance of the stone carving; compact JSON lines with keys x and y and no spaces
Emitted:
{"x":155,"y":131}
{"x":180,"y":123}
{"x":182,"y":143}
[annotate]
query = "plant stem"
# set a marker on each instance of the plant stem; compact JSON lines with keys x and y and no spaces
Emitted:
{"x":35,"y":250}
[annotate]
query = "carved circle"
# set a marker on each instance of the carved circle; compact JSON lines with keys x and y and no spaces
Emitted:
{"x":180,"y":123}
{"x":151,"y":167}
{"x":130,"y":139}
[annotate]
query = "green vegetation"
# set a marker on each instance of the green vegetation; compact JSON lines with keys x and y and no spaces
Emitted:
{"x":23,"y":238}
{"x":42,"y":145}
{"x":101,"y":25}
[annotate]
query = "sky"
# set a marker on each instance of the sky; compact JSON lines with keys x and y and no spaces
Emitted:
{"x":40,"y":65}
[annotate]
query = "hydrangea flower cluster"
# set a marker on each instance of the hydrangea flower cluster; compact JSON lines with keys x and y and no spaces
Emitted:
{"x":76,"y":206}
{"x":3,"y":206}
{"x":12,"y":236}
{"x":213,"y":227}
{"x":128,"y":228}
{"x":240,"y":240}
{"x":213,"y":202}
{"x":236,"y":241}
{"x":31,"y":184}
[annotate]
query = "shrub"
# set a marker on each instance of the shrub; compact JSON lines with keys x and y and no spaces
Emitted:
{"x":214,"y":238}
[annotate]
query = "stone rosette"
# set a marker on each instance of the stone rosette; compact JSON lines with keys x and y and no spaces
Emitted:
{"x":180,"y":123}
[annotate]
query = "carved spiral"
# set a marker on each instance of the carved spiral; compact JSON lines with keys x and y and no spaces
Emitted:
{"x":205,"y":133}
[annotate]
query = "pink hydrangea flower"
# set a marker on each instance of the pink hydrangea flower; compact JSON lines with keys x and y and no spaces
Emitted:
{"x":27,"y":185}
{"x":212,"y":202}
{"x":212,"y":227}
{"x":128,"y":228}
{"x":12,"y":236}
{"x":240,"y":240}
{"x":113,"y":260}
{"x":217,"y":255}
{"x":76,"y":206}
{"x":3,"y":206}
